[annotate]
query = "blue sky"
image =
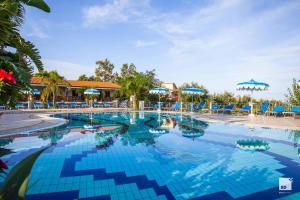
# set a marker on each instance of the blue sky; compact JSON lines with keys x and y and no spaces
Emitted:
{"x":217,"y":43}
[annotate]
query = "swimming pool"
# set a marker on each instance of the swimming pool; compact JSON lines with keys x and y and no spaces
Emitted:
{"x":154,"y":156}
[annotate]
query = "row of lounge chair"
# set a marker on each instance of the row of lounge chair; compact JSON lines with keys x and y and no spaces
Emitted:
{"x":62,"y":104}
{"x":263,"y":109}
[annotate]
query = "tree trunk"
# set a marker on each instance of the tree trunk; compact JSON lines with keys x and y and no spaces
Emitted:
{"x":53,"y":100}
{"x":135,"y":102}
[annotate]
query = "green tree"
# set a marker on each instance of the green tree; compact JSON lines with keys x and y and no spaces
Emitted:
{"x":293,"y":96}
{"x":16,"y":54}
{"x":84,"y":77}
{"x":223,"y":98}
{"x":104,"y":71}
{"x":128,"y":70}
{"x":135,"y":85}
{"x":53,"y":83}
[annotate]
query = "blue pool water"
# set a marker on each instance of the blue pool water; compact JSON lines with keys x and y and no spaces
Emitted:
{"x":155,"y":156}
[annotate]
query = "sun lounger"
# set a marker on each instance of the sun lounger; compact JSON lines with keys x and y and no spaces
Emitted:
{"x":294,"y":110}
{"x":201,"y":106}
{"x":191,"y":107}
{"x":263,"y":108}
{"x":215,"y":108}
{"x":20,"y":105}
{"x":74,"y":105}
{"x":245,"y":108}
{"x":2,"y":107}
{"x":61,"y":104}
{"x":84,"y":105}
{"x":228,"y":108}
{"x":96,"y":104}
{"x":50,"y":104}
{"x":38,"y":105}
{"x":176,"y":106}
{"x":277,"y":110}
{"x":106,"y":104}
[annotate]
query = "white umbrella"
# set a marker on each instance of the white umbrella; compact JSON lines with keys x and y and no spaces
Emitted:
{"x":252,"y":86}
{"x":159,"y":91}
{"x":92,"y":92}
{"x":193,"y":91}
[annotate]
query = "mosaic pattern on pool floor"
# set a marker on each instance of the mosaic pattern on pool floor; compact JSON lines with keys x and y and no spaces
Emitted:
{"x":147,"y":157}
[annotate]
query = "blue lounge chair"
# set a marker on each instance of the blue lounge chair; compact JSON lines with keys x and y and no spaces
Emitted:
{"x":106,"y":104}
{"x":277,"y":110}
{"x":294,"y":110}
{"x":62,"y":104}
{"x":38,"y":105}
{"x":74,"y":104}
{"x":50,"y":104}
{"x":201,"y":105}
{"x":20,"y":105}
{"x":176,"y":106}
{"x":191,"y":107}
{"x":215,"y":108}
{"x":228,"y":108}
{"x":245,"y":108}
{"x":2,"y":107}
{"x":84,"y":105}
{"x":264,"y":107}
{"x":96,"y":104}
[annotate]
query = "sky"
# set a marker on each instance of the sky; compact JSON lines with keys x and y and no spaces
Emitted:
{"x":217,"y":43}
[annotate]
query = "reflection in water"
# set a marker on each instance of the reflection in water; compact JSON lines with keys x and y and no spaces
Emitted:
{"x":250,"y":144}
{"x":295,"y":137}
{"x":54,"y":135}
{"x":192,"y":128}
{"x":153,"y":144}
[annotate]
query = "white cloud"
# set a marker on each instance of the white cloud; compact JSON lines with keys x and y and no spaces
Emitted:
{"x":140,"y":43}
{"x":35,"y":30}
{"x":219,"y":43}
{"x":68,"y":69}
{"x":116,"y":11}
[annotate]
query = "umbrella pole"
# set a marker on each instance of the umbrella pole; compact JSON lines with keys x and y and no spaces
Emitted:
{"x":158,"y":102}
{"x":192,"y":107}
{"x":251,"y":104}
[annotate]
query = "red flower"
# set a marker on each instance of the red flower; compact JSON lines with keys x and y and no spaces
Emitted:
{"x":3,"y":165}
{"x":7,"y":77}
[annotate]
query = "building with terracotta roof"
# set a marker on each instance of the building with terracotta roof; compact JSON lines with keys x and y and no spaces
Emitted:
{"x":74,"y":90}
{"x":174,"y":95}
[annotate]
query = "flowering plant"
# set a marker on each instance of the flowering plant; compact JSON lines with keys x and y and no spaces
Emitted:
{"x":7,"y":77}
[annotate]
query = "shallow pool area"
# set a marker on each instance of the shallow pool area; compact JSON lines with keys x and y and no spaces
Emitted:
{"x":115,"y":155}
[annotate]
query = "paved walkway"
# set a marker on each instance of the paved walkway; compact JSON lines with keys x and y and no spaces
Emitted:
{"x":262,"y":121}
{"x":22,"y":121}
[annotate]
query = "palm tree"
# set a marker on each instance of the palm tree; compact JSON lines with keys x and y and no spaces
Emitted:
{"x":16,"y":54}
{"x":135,"y":85}
{"x":53,"y":82}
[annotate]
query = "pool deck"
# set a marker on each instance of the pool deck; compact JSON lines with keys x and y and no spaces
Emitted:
{"x":24,"y":120}
{"x":257,"y":121}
